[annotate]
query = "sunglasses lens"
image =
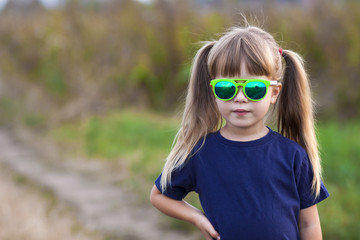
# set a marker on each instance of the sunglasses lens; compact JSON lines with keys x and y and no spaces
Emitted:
{"x":225,"y":90}
{"x":255,"y":90}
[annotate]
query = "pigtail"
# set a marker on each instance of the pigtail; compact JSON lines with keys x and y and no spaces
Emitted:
{"x":295,"y":112}
{"x":200,"y":115}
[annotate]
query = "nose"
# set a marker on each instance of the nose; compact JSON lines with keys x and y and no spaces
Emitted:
{"x":240,"y":97}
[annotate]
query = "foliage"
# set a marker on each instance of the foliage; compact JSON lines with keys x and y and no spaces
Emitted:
{"x":83,"y":60}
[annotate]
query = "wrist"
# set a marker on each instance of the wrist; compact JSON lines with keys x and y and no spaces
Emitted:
{"x":193,"y":214}
{"x":197,"y":217}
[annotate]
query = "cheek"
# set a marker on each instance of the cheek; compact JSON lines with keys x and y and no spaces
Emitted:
{"x":222,"y":106}
{"x":262,"y":107}
{"x":218,"y":104}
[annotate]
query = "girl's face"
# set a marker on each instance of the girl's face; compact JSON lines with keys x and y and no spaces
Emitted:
{"x":244,"y":116}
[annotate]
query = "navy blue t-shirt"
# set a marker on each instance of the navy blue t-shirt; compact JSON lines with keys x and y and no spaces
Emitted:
{"x":250,"y":190}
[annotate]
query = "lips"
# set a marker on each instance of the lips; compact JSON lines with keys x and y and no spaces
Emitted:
{"x":241,"y":112}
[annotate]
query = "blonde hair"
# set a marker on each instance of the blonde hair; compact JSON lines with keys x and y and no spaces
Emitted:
{"x":259,"y":52}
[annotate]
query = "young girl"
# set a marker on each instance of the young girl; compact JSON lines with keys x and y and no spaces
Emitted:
{"x":253,"y":183}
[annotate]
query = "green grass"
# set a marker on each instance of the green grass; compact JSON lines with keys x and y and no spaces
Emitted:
{"x":142,"y":140}
{"x":340,"y":148}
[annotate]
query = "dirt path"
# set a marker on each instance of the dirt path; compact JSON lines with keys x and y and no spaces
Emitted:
{"x":89,"y":189}
{"x":28,"y":212}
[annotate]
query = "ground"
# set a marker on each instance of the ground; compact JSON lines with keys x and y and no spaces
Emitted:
{"x":96,"y":204}
{"x":27,"y":212}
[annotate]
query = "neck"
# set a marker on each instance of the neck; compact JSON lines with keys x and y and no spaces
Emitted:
{"x":243,"y":134}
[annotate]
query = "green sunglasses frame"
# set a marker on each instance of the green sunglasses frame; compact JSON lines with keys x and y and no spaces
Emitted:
{"x":241,"y":84}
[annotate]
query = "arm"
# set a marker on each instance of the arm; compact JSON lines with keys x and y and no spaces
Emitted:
{"x":309,"y":224}
{"x":183,"y":211}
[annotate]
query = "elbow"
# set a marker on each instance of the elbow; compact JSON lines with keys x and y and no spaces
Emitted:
{"x":152,"y":198}
{"x":154,"y":195}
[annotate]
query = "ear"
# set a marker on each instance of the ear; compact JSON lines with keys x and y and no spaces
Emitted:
{"x":275,"y":93}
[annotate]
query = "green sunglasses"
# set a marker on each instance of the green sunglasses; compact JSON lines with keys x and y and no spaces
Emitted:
{"x":254,"y":89}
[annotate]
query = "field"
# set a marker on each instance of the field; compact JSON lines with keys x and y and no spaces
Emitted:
{"x":64,"y":70}
{"x":143,"y":139}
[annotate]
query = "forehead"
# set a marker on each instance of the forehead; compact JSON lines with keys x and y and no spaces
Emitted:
{"x":244,"y":74}
{"x":239,"y":67}
{"x":240,"y":54}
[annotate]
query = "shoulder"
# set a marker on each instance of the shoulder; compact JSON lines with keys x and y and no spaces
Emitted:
{"x":289,"y":144}
{"x":289,"y":150}
{"x":207,"y":141}
{"x":203,"y":148}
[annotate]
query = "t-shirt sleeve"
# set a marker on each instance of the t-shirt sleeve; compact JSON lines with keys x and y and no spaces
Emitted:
{"x":181,"y":183}
{"x":304,"y":179}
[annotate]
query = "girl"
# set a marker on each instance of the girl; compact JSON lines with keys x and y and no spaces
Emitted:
{"x":253,"y":183}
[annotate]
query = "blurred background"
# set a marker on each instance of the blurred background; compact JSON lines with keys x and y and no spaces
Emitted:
{"x":104,"y":81}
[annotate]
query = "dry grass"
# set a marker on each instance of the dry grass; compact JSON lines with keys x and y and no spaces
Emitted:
{"x":26,"y":214}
